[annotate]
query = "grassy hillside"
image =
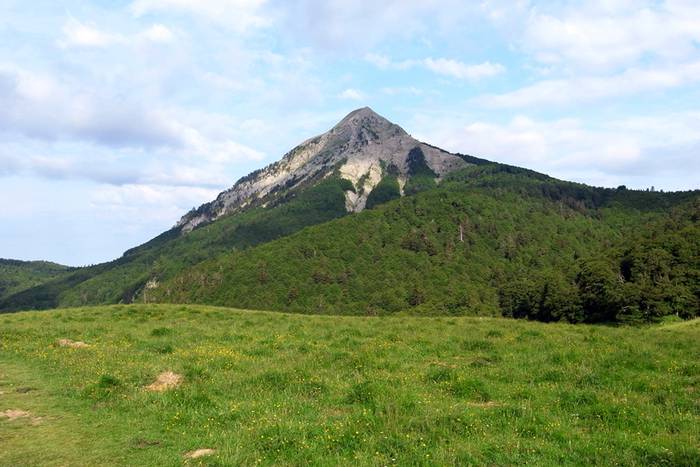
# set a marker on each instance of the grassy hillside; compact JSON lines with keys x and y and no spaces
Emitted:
{"x":490,"y":240}
{"x":16,"y":276}
{"x":275,"y":389}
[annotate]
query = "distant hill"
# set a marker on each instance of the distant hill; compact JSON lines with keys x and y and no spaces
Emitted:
{"x":16,"y":275}
{"x":366,"y":220}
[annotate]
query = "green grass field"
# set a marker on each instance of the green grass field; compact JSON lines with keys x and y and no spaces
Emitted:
{"x":277,"y":389}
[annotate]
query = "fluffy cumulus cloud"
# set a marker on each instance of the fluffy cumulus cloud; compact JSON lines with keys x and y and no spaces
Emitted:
{"x":577,"y":89}
{"x":167,"y":203}
{"x":352,"y":94}
{"x":459,"y":70}
{"x":622,"y":151}
{"x":80,"y":34}
{"x":614,"y":34}
{"x":442,"y":66}
{"x":361,"y":24}
{"x":39,"y":107}
{"x":605,"y":49}
{"x":77,"y":34}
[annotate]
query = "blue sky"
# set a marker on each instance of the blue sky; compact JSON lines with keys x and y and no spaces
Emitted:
{"x":116,"y":117}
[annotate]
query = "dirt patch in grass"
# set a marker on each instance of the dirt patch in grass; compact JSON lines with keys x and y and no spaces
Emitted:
{"x":165,"y":381}
{"x":16,"y":414}
{"x":199,"y":453}
{"x":72,"y":344}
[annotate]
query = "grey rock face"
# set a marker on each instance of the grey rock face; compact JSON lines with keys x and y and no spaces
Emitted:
{"x":360,"y":147}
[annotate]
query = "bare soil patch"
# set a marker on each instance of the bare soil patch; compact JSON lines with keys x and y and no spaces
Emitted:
{"x":165,"y":381}
{"x":199,"y":453}
{"x":14,"y":414}
{"x":72,"y":344}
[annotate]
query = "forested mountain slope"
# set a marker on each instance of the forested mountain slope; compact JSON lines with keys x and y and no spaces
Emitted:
{"x":489,"y":240}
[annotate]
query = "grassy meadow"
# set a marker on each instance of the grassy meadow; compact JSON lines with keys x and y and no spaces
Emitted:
{"x":275,"y":389}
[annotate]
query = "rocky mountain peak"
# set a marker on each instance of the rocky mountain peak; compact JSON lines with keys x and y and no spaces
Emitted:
{"x":367,"y":120}
{"x":360,"y":148}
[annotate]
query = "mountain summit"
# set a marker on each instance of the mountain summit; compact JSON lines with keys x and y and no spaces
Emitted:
{"x":361,"y":148}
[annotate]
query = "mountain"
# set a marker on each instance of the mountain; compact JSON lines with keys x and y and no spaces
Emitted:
{"x":324,"y":178}
{"x":16,"y":275}
{"x":489,"y":240}
{"x":365,"y":219}
{"x":359,"y":149}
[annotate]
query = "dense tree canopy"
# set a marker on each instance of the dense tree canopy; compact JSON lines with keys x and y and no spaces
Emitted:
{"x":487,"y":241}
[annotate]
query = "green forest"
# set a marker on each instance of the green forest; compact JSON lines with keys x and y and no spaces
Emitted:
{"x":491,"y":240}
{"x":16,"y":276}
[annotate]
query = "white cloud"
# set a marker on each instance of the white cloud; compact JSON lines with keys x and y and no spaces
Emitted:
{"x":395,"y":91}
{"x":158,"y":33}
{"x":126,"y":171}
{"x":613,"y":34}
{"x":587,"y":88}
{"x":239,"y":15}
{"x":38,"y":107}
{"x":149,"y":196}
{"x":78,"y":161}
{"x":140,"y":211}
{"x":358,"y":25}
{"x":55,"y":131}
{"x":441,"y":66}
{"x":559,"y":143}
{"x":637,"y":152}
{"x":352,"y":94}
{"x":384,"y":62}
{"x":459,"y":70}
{"x":87,"y":35}
{"x":78,"y":34}
{"x":89,"y":223}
